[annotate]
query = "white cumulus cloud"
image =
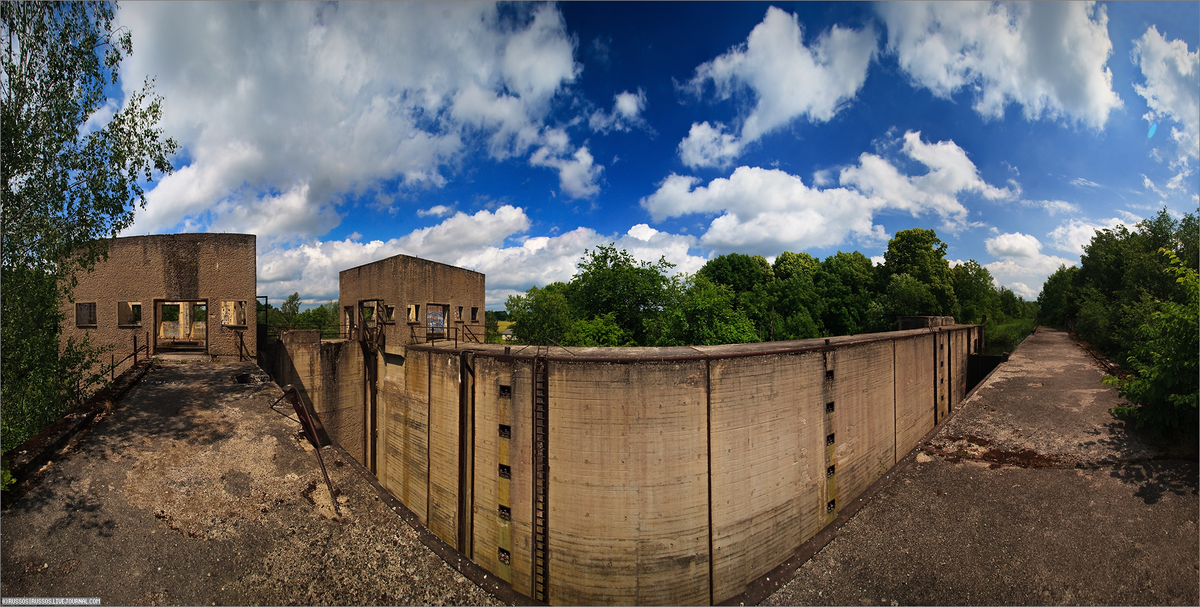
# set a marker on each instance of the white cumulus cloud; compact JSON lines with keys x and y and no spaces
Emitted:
{"x":488,"y":242}
{"x":626,"y":113}
{"x":289,"y":107}
{"x":1022,"y":266}
{"x":1172,"y":88}
{"x":950,"y":174}
{"x":1071,"y":236}
{"x":1049,"y":58}
{"x":788,"y":80}
{"x":765,"y":211}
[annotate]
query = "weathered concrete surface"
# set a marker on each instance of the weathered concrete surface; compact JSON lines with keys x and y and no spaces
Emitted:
{"x":196,"y":492}
{"x":1034,"y":494}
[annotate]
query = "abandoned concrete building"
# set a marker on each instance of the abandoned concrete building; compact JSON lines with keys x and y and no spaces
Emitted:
{"x":189,"y":292}
{"x":591,"y":475}
{"x":613,"y":475}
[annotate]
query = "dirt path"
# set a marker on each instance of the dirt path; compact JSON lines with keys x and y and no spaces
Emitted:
{"x":196,"y":492}
{"x":1032,"y":493}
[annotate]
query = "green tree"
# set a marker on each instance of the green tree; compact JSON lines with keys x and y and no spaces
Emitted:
{"x":65,"y":187}
{"x":738,"y":272}
{"x":1165,"y":384}
{"x":904,"y":296}
{"x":843,"y":283}
{"x":975,"y":291}
{"x":601,"y":331}
{"x":920,"y":254}
{"x":290,"y":308}
{"x":612,"y":281}
{"x":541,"y":316}
{"x":491,"y":326}
{"x":703,"y":314}
{"x":1121,"y":276}
{"x":789,"y":265}
{"x":1058,"y":300}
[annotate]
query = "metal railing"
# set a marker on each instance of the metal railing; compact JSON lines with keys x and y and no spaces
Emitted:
{"x":425,"y":334}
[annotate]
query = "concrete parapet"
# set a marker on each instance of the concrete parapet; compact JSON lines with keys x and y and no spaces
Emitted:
{"x":672,"y":475}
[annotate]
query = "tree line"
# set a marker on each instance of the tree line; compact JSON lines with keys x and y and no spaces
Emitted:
{"x":288,"y":316}
{"x":614,"y":300}
{"x":1134,"y":297}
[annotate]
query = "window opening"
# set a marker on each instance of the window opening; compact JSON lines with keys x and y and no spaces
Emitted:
{"x":435,"y":319}
{"x":233,"y":313}
{"x":129,"y":313}
{"x":85,"y":314}
{"x":474,"y":314}
{"x":414,"y":313}
{"x":170,"y":312}
{"x":390,"y":313}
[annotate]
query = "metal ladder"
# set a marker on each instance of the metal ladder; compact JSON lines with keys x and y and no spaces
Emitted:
{"x":541,"y":467}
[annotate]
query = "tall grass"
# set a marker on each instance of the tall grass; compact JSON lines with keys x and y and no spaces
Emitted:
{"x":1006,"y":336}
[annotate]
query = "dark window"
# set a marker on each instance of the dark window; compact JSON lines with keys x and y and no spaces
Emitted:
{"x":505,"y":391}
{"x":505,"y":431}
{"x":474,"y":314}
{"x":85,"y":314}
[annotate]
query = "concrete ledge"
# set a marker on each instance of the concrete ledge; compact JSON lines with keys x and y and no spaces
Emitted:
{"x":27,"y":459}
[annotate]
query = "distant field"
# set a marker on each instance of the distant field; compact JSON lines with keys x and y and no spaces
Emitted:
{"x":504,"y":324}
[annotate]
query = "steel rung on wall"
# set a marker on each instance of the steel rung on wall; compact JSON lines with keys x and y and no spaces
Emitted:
{"x":541,"y":466}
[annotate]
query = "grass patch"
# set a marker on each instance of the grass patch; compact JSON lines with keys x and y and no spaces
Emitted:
{"x":1005,"y":337}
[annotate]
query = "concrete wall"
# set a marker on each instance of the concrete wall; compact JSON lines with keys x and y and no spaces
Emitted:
{"x":329,"y":375}
{"x":676,"y":475}
{"x":152,"y":270}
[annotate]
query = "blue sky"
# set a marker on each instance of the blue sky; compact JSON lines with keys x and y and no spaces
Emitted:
{"x":510,"y":138}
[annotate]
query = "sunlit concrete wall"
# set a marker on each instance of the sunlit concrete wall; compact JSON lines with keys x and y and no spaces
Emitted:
{"x":676,"y":475}
{"x":401,"y":282}
{"x":672,"y":479}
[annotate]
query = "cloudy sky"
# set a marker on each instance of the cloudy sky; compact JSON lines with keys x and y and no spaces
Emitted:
{"x":510,"y":138}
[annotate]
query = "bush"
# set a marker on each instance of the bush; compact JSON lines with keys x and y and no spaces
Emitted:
{"x":1164,"y":386}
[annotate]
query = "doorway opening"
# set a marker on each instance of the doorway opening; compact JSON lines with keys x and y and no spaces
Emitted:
{"x":181,"y":325}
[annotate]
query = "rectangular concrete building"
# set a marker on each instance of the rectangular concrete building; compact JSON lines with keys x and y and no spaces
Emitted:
{"x":411,"y":299}
{"x":191,"y":292}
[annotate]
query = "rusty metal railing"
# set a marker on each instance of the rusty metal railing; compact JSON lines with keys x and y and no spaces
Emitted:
{"x":434,"y":333}
{"x":315,"y":432}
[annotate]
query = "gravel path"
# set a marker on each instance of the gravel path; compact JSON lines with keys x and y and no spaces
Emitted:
{"x":1031,"y":494}
{"x":196,"y":492}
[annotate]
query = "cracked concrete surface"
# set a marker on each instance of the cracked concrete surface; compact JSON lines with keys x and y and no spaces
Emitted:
{"x":1032,"y":493}
{"x":196,"y":492}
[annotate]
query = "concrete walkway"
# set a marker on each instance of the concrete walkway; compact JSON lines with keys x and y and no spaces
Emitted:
{"x":196,"y":492}
{"x":1032,"y":493}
